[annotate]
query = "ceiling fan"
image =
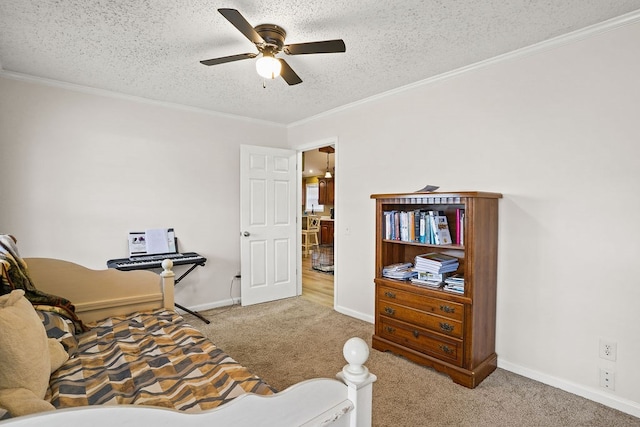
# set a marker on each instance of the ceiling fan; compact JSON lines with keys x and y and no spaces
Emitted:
{"x":269,"y":39}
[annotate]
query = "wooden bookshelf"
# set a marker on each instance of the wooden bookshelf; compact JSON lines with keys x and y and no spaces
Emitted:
{"x":452,"y":333}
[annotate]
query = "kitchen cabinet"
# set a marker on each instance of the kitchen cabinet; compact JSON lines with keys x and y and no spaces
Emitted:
{"x":326,"y":232}
{"x":326,"y":189}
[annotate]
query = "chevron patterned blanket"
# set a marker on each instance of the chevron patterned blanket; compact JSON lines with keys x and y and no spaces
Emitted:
{"x":153,"y":358}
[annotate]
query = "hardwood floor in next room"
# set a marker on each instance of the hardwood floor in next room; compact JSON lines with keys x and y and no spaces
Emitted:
{"x":316,"y":285}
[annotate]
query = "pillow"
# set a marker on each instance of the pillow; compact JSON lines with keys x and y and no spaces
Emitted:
{"x":60,"y":329}
{"x":27,"y":356}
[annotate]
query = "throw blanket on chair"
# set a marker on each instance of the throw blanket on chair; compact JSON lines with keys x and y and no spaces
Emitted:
{"x":15,"y":275}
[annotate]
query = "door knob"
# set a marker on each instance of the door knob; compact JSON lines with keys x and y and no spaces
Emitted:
{"x":246,"y":234}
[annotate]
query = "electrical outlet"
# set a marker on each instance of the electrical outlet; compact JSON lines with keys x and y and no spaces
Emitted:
{"x":607,"y":379}
{"x":608,"y":350}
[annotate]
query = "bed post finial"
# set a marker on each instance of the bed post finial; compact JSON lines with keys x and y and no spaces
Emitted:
{"x":168,"y":282}
{"x":359,"y":381}
{"x":356,"y":352}
{"x":167,"y":265}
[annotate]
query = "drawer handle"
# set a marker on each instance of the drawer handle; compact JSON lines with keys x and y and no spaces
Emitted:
{"x":389,"y":310}
{"x":446,"y":327}
{"x":416,"y":333}
{"x":389,"y":294}
{"x":389,"y":329}
{"x":446,"y":349}
{"x":447,"y":309}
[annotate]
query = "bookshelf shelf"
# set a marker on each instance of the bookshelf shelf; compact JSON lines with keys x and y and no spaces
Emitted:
{"x":453,"y":333}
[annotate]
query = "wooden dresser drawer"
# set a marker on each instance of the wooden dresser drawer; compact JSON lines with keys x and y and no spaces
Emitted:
{"x":443,"y":348}
{"x":422,"y":319}
{"x":452,"y":310}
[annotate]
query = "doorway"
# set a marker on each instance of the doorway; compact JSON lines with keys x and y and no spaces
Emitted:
{"x":318,"y":201}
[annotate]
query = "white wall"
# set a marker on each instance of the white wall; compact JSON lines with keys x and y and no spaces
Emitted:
{"x":81,"y":170}
{"x":556,"y":131}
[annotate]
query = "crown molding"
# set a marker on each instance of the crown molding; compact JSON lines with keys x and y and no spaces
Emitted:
{"x":581,"y":34}
{"x":117,"y":95}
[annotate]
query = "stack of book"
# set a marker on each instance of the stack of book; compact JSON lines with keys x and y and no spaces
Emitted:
{"x":436,"y":263}
{"x":454,"y":284}
{"x":433,"y":269}
{"x":400,"y":271}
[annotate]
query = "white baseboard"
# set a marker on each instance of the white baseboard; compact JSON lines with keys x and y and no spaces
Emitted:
{"x":356,"y":314}
{"x":209,"y":306}
{"x":596,"y":395}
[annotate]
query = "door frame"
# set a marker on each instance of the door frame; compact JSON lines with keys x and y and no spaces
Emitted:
{"x":300,"y":149}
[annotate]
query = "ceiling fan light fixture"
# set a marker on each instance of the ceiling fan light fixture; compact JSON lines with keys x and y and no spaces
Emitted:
{"x":268,"y":66}
{"x":269,"y":40}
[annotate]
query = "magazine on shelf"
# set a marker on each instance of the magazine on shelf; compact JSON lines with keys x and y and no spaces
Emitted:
{"x":401,"y":271}
{"x":430,"y":276}
{"x":400,"y":274}
{"x":454,"y":283}
{"x":426,"y":283}
{"x":436,"y":258}
{"x":456,"y":279}
{"x":452,"y":289}
{"x":397,"y":266}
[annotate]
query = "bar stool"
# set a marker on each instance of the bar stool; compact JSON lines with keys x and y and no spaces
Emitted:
{"x":310,"y":234}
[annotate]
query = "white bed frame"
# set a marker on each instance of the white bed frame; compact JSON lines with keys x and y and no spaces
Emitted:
{"x":97,"y":294}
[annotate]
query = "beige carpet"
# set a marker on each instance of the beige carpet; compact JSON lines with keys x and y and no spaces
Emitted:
{"x":291,"y":340}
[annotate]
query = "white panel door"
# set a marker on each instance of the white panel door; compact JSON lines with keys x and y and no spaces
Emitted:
{"x":267,"y":224}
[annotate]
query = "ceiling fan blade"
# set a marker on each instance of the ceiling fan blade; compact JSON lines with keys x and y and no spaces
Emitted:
{"x":238,"y":21}
{"x":224,"y":59}
{"x":328,"y":46}
{"x":288,"y":74}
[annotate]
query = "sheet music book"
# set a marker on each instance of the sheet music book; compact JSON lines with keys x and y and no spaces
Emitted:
{"x":151,"y":242}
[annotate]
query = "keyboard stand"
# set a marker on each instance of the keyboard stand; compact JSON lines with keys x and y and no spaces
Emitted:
{"x":194,"y":263}
{"x":194,"y":313}
{"x":187,"y":272}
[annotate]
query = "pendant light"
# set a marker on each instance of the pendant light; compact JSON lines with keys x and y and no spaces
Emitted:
{"x":327,"y":173}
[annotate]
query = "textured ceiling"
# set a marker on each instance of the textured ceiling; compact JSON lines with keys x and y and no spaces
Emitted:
{"x":152,"y":48}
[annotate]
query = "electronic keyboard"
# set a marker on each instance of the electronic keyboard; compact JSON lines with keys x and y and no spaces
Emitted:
{"x":155,"y":261}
